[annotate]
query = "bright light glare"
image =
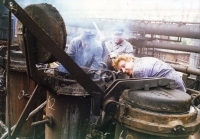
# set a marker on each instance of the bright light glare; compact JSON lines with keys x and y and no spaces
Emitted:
{"x":168,"y":10}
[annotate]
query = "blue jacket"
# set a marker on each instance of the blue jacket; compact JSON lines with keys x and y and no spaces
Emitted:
{"x":90,"y":56}
{"x":151,"y":67}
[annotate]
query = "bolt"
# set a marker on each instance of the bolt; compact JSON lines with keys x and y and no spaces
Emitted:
{"x":10,"y":4}
{"x":160,"y":82}
{"x":179,"y":128}
{"x":174,"y":128}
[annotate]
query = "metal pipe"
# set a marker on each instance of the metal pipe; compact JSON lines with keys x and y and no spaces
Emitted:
{"x":178,"y":30}
{"x":48,"y":120}
{"x":8,"y":75}
{"x":187,"y":70}
{"x":165,"y":28}
{"x":40,"y":122}
{"x":170,"y":46}
{"x":192,"y":91}
{"x":36,"y":110}
{"x":162,"y":21}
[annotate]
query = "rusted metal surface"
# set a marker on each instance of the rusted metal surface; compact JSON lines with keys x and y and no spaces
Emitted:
{"x":73,"y":90}
{"x":53,"y":47}
{"x":149,"y":121}
{"x":125,"y":133}
{"x":19,"y":81}
{"x":68,"y":109}
{"x":3,"y":42}
{"x":71,"y":115}
{"x":26,"y":110}
{"x":115,"y":90}
{"x":60,"y":55}
{"x":158,"y":101}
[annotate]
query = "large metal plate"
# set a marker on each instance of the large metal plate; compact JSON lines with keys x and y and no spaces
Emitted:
{"x":159,"y":99}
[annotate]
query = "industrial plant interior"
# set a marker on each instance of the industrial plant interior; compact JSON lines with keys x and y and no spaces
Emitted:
{"x":38,"y":101}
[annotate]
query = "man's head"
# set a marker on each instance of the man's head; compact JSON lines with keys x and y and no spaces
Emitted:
{"x":124,"y":63}
{"x":118,"y":35}
{"x":88,"y":37}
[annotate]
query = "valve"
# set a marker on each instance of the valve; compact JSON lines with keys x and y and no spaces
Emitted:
{"x":195,"y":99}
{"x":110,"y":107}
{"x":22,"y":94}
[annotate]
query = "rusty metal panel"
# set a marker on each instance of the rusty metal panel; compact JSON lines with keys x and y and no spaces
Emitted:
{"x":71,"y":116}
{"x":19,"y":81}
{"x":125,"y":133}
{"x":143,"y":122}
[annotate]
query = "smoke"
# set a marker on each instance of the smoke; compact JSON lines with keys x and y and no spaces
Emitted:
{"x":79,"y":14}
{"x":171,"y":10}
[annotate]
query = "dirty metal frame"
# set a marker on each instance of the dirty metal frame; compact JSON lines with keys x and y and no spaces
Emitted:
{"x":54,"y":49}
{"x":110,"y":101}
{"x":28,"y":108}
{"x":99,"y":100}
{"x":86,"y":82}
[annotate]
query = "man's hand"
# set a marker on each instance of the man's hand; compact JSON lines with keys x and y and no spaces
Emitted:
{"x":113,"y":55}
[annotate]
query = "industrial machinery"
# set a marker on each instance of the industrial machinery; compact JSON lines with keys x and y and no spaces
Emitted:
{"x":83,"y":103}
